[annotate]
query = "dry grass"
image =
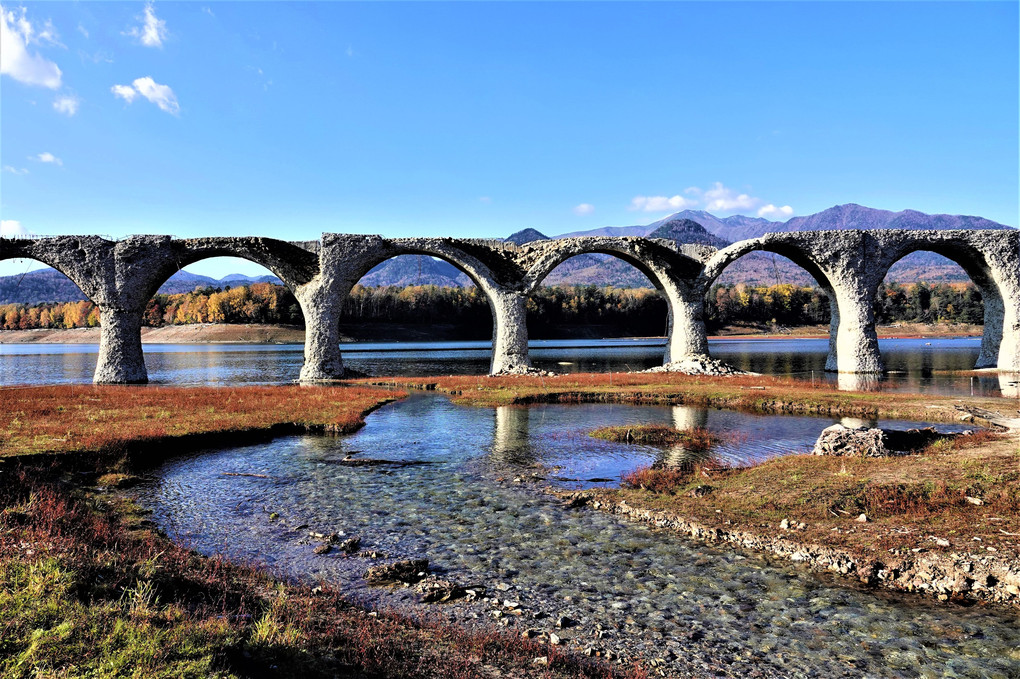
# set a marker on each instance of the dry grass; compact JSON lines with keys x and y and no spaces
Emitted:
{"x":907,"y":499}
{"x":65,"y":419}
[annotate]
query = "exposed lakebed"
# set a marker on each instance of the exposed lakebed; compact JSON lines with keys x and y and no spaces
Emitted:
{"x":653,"y":594}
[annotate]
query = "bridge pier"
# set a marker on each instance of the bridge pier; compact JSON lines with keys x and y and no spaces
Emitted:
{"x":1009,"y":348}
{"x":856,"y":339}
{"x":321,"y":309}
{"x":687,"y":335}
{"x":831,"y":360}
{"x":509,"y":331}
{"x":991,"y":335}
{"x":120,"y":347}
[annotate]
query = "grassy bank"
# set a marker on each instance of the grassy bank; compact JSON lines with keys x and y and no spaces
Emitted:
{"x":749,"y":393}
{"x":945,"y":521}
{"x":87,"y":588}
{"x":110,"y":419}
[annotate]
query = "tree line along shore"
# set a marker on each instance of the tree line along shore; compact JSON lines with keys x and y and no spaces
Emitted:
{"x":553,"y":312}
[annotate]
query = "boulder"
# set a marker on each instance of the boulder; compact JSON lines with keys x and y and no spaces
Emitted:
{"x":844,"y":441}
{"x":853,"y":442}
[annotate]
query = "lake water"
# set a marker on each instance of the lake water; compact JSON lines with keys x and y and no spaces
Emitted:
{"x":652,"y":592}
{"x":917,"y":365}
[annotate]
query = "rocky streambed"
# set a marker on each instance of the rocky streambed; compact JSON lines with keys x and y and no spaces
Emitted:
{"x":588,"y":581}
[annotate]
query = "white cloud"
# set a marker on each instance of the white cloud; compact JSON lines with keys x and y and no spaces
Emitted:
{"x":661,"y":203}
{"x":125,"y":92}
{"x":14,"y":170}
{"x":152,"y":32}
{"x":160,"y":95}
{"x":771,"y":210}
{"x":16,"y":34}
{"x":208,"y":11}
{"x":584,"y":209}
{"x":10,"y":228}
{"x":722,"y":199}
{"x":718,"y":199}
{"x":484,"y":199}
{"x":67,"y":104}
{"x":84,"y":31}
{"x":47,"y":157}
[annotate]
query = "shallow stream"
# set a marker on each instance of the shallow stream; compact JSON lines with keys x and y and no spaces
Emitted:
{"x":633,"y":589}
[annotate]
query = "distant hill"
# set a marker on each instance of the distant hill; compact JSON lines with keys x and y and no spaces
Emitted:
{"x":687,"y":231}
{"x":415,"y":270}
{"x":526,"y":236}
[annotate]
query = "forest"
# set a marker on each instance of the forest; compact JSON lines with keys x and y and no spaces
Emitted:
{"x":638,"y":311}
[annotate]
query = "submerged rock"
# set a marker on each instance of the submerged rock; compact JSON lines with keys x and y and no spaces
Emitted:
{"x":408,"y":571}
{"x":437,"y":590}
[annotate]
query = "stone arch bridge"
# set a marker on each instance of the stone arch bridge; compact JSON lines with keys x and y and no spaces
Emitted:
{"x":120,"y":277}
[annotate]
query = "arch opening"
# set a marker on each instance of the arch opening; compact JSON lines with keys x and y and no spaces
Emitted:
{"x":944,"y":291}
{"x":227,"y":295}
{"x":416,"y":296}
{"x":757,"y":297}
{"x":598,"y":295}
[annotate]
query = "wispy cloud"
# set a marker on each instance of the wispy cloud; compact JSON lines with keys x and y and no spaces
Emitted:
{"x":152,"y":32}
{"x":84,"y":31}
{"x":771,"y":210}
{"x":722,"y":199}
{"x":67,"y":104}
{"x":14,"y":170}
{"x":16,"y":34}
{"x":584,"y":209}
{"x":661,"y":203}
{"x":484,"y":199}
{"x":47,"y":157}
{"x":208,"y":10}
{"x":11,"y":228}
{"x":717,"y":198}
{"x":160,"y":95}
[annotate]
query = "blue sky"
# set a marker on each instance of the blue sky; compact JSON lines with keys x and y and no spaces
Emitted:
{"x":480,"y":119}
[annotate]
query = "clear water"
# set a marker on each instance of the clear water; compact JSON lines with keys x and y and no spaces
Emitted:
{"x":742,"y":614}
{"x":914,"y":365}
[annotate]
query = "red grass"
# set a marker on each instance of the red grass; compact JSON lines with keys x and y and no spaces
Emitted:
{"x":91,"y":418}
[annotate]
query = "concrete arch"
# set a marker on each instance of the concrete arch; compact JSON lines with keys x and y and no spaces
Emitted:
{"x":796,"y":253}
{"x":68,"y":255}
{"x":294,"y":264}
{"x":973,"y":252}
{"x":5,"y":256}
{"x":670,"y":269}
{"x":490,"y":270}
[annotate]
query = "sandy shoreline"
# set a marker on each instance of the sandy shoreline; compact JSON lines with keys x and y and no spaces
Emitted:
{"x":225,"y":333}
